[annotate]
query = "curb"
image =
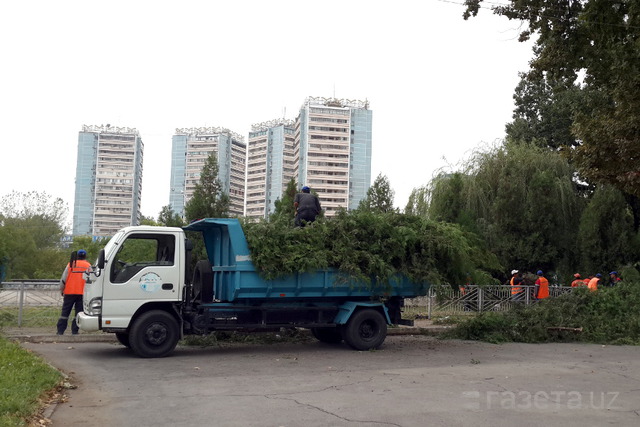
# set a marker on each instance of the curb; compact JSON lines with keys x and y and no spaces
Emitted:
{"x":63,"y":338}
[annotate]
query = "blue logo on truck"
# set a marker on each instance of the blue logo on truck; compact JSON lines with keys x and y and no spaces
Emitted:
{"x":150,"y":282}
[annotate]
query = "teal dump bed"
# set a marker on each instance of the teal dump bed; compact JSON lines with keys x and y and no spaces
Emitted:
{"x":236,"y":278}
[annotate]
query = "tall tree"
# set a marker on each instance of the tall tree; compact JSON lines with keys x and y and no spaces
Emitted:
{"x":209,"y":199}
{"x":418,"y":202}
{"x":169,"y":218}
{"x":520,"y":199}
{"x":593,"y":45}
{"x":606,"y":232}
{"x":379,"y":196}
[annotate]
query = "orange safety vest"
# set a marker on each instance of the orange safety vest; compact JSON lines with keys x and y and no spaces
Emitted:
{"x":543,"y":290}
{"x":593,"y":284}
{"x":75,"y":282}
{"x":577,"y":282}
{"x":514,"y":289}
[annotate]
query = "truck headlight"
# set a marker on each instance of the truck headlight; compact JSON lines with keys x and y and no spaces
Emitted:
{"x":95,"y":307}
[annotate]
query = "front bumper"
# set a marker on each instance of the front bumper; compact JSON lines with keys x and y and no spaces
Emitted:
{"x":88,"y":323}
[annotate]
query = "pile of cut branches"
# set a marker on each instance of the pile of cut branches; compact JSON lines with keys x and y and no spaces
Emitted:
{"x":366,"y":246}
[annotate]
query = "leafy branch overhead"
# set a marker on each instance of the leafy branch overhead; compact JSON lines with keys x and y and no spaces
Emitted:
{"x":582,"y":91}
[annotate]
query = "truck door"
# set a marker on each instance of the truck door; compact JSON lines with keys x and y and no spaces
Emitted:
{"x":145,"y":268}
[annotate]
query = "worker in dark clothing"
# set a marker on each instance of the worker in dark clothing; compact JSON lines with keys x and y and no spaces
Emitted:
{"x":307,"y":207}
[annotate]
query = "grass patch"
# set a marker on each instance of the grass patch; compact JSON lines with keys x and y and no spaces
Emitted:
{"x":608,"y":316}
{"x":24,"y":380}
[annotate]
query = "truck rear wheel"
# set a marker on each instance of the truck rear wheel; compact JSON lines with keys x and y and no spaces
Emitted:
{"x":365,"y":330}
{"x":154,"y":334}
{"x":328,"y":335}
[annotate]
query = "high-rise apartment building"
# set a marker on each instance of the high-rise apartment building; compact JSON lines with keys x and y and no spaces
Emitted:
{"x":270,"y":165}
{"x":190,"y":149}
{"x":332,"y":150}
{"x":108,"y":180}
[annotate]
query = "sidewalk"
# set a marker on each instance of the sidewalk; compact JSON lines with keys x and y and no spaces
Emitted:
{"x":48,"y":335}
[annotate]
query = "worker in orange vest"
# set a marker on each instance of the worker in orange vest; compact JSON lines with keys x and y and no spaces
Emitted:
{"x":593,"y":283}
{"x":578,"y":281}
{"x":588,"y":279}
{"x":72,"y":288}
{"x":542,"y":286}
{"x":516,"y":282}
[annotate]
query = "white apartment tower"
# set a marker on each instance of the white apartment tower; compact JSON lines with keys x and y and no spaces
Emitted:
{"x":270,"y":165}
{"x":332,"y":151}
{"x":190,"y":149}
{"x":108,"y":180}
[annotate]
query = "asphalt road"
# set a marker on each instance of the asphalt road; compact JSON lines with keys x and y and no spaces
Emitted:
{"x":411,"y":381}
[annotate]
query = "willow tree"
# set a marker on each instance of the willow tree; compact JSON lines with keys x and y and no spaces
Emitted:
{"x":520,"y":199}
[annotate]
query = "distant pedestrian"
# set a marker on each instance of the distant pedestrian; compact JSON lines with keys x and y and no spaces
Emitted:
{"x":307,"y":207}
{"x":542,"y":286}
{"x":614,"y":279}
{"x":593,"y":283}
{"x":516,"y":283}
{"x":577,"y":281}
{"x":72,"y":288}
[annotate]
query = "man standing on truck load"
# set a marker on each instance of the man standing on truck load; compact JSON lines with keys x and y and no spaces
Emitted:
{"x":307,"y":207}
{"x":71,"y":288}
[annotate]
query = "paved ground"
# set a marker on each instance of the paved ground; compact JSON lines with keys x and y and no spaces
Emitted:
{"x":413,"y":380}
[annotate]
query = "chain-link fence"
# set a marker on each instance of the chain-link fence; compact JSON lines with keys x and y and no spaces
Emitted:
{"x":30,"y":303}
{"x":446,"y":301}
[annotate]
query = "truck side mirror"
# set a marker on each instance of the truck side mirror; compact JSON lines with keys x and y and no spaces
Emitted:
{"x":100,"y":263}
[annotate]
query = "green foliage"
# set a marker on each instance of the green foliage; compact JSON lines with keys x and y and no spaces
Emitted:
{"x":284,"y":209}
{"x":418,"y":202}
{"x":91,"y":246}
{"x":24,"y":378}
{"x":168,"y":218}
{"x":521,"y":202}
{"x":209,"y":199}
{"x":608,"y":316}
{"x":584,"y":78}
{"x":31,"y":225}
{"x":369,"y":247}
{"x":606,"y":232}
{"x":379,"y":196}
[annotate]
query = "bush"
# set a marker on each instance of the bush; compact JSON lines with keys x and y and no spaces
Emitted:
{"x":608,"y":316}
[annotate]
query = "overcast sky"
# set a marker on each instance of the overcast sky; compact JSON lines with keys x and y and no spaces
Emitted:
{"x":438,"y":86}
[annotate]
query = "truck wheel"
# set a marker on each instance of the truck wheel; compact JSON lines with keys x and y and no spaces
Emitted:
{"x":123,"y":338}
{"x":365,"y":330}
{"x":203,"y":282}
{"x":154,"y":334}
{"x":328,"y":335}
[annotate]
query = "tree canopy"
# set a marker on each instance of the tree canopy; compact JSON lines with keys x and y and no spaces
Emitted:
{"x":585,"y":81}
{"x":209,"y":199}
{"x":379,"y":197}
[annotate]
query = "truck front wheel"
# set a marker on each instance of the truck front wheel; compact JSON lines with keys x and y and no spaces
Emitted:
{"x":154,"y":334}
{"x":365,"y":330}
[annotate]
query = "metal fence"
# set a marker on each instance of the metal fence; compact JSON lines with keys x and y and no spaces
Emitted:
{"x":38,"y":302}
{"x":30,"y":302}
{"x":444,"y":300}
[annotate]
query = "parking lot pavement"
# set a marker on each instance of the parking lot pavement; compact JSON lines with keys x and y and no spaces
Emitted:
{"x":411,"y":381}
